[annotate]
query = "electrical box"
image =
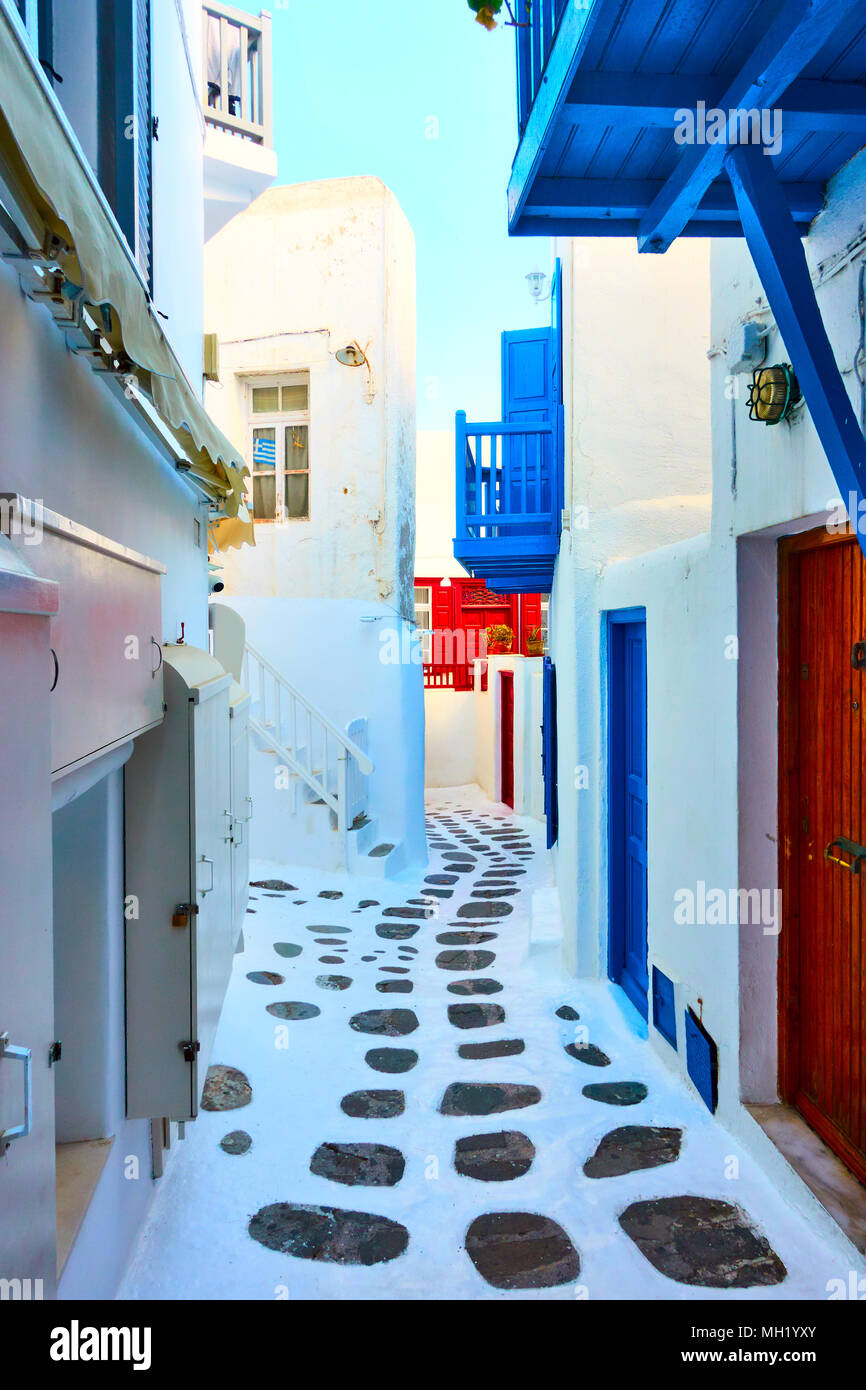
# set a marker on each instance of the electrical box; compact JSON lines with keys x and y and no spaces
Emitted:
{"x":106,"y":683}
{"x":211,"y":357}
{"x":746,"y":347}
{"x":179,"y":907}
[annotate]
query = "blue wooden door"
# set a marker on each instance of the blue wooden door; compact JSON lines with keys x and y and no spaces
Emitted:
{"x":628,"y":805}
{"x":549,"y":753}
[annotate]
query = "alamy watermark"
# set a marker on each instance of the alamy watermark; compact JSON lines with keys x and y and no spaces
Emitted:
{"x":22,"y":516}
{"x":710,"y":125}
{"x":723,"y":907}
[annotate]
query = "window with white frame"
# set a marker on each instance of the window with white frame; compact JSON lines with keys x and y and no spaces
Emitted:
{"x":279,"y":448}
{"x":424,"y":619}
{"x":545,"y":618}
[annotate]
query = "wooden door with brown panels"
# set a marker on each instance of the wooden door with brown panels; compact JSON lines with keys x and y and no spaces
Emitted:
{"x":822,"y":986}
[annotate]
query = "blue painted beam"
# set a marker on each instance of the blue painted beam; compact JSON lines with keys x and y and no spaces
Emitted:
{"x":575,"y":30}
{"x":571,"y":226}
{"x":781,"y":264}
{"x":799,"y":31}
{"x":654,"y":100}
{"x":618,"y":198}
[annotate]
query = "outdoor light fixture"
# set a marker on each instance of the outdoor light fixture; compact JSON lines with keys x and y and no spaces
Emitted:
{"x":536,"y":279}
{"x":353,"y":355}
{"x":773,"y":394}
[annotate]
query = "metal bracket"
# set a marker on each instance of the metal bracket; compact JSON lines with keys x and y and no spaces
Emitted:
{"x":858,"y":656}
{"x":190,"y":1050}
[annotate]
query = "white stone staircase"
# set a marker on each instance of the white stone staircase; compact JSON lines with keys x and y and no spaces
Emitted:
{"x":309,"y":781}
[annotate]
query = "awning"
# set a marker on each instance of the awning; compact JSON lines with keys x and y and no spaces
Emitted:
{"x":77,"y":233}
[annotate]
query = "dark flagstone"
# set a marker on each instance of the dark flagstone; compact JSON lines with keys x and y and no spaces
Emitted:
{"x":633,"y":1148}
{"x":391,"y":1059}
{"x":331,"y":941}
{"x":588,"y":1053}
{"x":487,"y":1098}
{"x":460,"y":868}
{"x":394,"y":986}
{"x":333,"y":981}
{"x":499,"y":892}
{"x":390,"y":1023}
{"x":278,"y":884}
{"x":412,"y":912}
{"x":368,"y":902}
{"x":465,"y":938}
{"x":441,"y":893}
{"x":251,"y":912}
{"x":394,"y":969}
{"x":373,"y":1105}
{"x":330,"y":931}
{"x":521,"y":1250}
{"x":702,"y":1241}
{"x":330,"y":893}
{"x":496,"y":909}
{"x":331,"y":960}
{"x":465,"y":960}
{"x":225,"y":1088}
{"x":504,"y":871}
{"x":567,"y":1012}
{"x":441,"y":878}
{"x":475,"y":1015}
{"x":238,"y":1142}
{"x":504,"y":1047}
{"x":497,"y":1157}
{"x":265,"y":977}
{"x":328,"y":1234}
{"x":368,"y":958}
{"x":617,"y":1092}
{"x":293,"y":1010}
{"x":473,"y":986}
{"x":359,"y":1165}
{"x":401,"y":932}
{"x":287,"y":949}
{"x":299,"y":902}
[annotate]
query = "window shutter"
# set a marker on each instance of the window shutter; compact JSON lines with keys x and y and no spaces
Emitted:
{"x":531,"y":618}
{"x":143,"y":142}
{"x":549,"y":752}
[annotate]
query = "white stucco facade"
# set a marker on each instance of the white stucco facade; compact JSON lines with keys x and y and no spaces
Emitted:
{"x":710,"y":594}
{"x":328,"y":597}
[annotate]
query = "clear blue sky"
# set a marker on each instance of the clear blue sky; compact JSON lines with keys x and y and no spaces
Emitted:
{"x":355,"y":82}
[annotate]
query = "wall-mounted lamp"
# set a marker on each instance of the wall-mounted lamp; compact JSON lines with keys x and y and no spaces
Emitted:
{"x":535,"y":280}
{"x":773,"y":394}
{"x":353,"y":355}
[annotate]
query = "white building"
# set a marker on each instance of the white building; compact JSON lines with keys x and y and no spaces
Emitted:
{"x":317,"y":386}
{"x":111,"y":473}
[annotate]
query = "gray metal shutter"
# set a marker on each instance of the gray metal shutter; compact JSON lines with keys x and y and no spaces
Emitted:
{"x":144,"y":136}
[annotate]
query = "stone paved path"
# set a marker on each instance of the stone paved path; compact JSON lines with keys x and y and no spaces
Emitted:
{"x":435,"y":1110}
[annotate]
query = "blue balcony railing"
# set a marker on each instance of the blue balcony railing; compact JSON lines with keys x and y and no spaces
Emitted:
{"x":535,"y":35}
{"x":509,"y":501}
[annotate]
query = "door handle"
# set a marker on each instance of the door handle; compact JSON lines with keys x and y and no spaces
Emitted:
{"x":250,"y":816}
{"x":204,"y":860}
{"x":238,"y":825}
{"x":12,"y":1053}
{"x":846,"y":847}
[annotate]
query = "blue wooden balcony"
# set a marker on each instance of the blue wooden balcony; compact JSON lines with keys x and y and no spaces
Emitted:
{"x":509,"y":501}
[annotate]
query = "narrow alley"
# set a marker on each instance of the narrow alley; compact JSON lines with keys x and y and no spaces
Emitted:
{"x":503,"y":1128}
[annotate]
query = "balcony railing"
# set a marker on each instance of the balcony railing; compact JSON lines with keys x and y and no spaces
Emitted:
{"x":535,"y":35}
{"x":509,"y":501}
{"x":237,"y":72}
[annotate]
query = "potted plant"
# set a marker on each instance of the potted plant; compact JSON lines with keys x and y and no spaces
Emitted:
{"x":534,"y":644}
{"x":500,"y":639}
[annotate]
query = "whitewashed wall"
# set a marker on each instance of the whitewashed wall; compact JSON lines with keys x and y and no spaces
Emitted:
{"x":637,"y":476}
{"x":306,"y":270}
{"x":712,"y":614}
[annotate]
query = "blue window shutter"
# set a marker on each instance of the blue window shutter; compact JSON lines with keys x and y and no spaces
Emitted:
{"x":549,"y":752}
{"x":664,"y":1006}
{"x":527,"y":374}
